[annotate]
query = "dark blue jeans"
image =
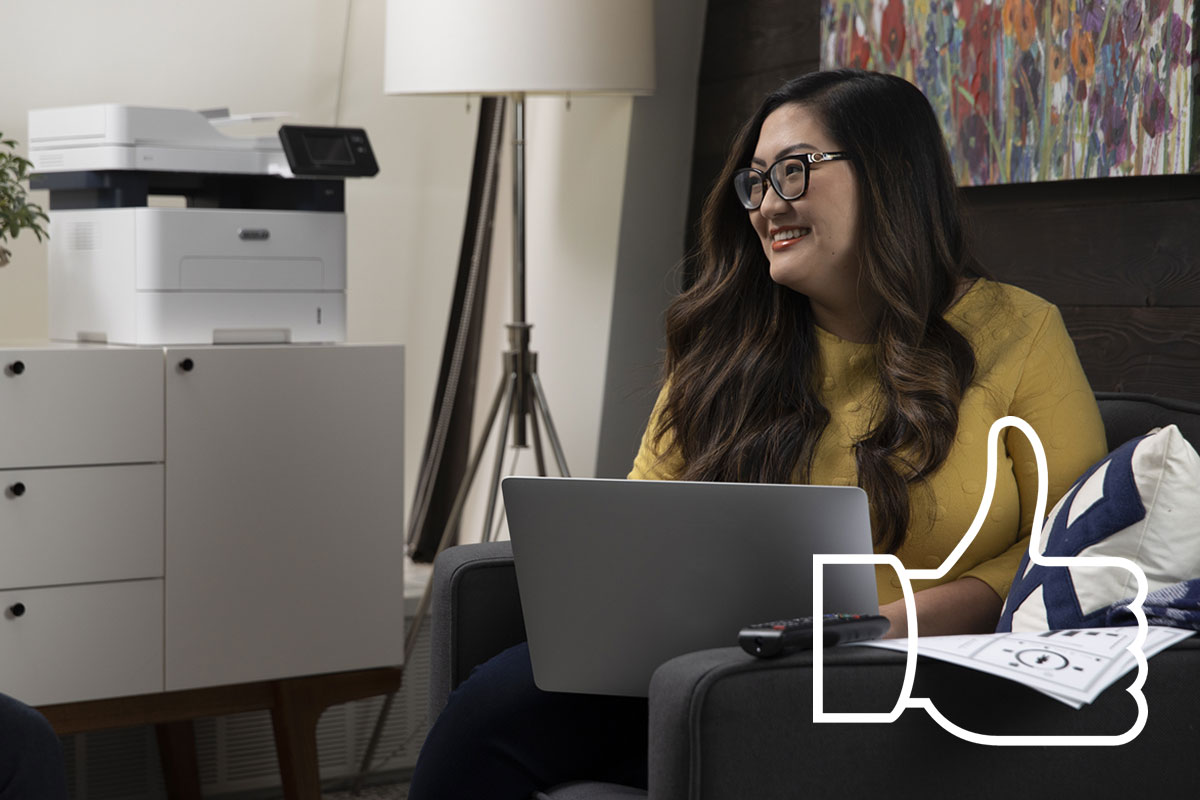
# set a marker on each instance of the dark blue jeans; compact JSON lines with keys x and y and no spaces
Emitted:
{"x":31,"y":760}
{"x":500,"y":737}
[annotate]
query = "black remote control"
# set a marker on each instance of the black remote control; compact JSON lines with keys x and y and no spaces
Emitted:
{"x":769,"y":639}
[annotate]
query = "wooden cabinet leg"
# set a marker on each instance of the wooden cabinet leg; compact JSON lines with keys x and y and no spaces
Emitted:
{"x":294,"y":717}
{"x":296,"y":705}
{"x":177,"y":751}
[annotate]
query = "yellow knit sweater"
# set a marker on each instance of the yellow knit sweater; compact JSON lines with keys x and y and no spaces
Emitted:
{"x":1027,"y":366}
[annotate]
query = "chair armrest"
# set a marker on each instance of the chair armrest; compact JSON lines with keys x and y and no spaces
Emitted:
{"x":476,"y":614}
{"x":724,"y":724}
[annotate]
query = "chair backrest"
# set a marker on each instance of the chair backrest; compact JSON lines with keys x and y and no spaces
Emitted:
{"x":1128,"y":415}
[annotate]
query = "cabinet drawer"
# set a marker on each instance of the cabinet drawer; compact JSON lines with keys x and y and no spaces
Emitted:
{"x":70,"y":643}
{"x":80,"y":525}
{"x":80,"y":405}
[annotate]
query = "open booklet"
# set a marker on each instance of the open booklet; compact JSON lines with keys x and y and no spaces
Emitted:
{"x":1072,"y":666}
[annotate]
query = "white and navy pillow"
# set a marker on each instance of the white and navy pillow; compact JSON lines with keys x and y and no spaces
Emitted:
{"x":1141,"y":502}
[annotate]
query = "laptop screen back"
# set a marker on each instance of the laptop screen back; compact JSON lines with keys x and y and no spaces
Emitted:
{"x":618,"y":576}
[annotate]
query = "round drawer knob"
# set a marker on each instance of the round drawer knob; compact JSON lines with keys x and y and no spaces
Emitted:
{"x":187,"y":365}
{"x":17,"y":609}
{"x":17,"y":489}
{"x":16,"y":368}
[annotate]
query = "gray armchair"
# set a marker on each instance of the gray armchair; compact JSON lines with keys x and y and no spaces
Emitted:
{"x":725,"y":725}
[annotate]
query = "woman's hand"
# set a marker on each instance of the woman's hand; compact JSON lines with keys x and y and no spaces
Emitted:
{"x":967,"y":605}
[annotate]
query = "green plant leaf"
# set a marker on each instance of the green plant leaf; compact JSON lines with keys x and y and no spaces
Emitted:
{"x":16,"y":212}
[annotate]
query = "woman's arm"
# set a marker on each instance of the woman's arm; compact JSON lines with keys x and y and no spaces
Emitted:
{"x":967,"y":605}
{"x":649,"y":463}
{"x":1054,"y":397}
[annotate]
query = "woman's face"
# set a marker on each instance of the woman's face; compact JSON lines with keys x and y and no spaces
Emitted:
{"x":810,"y":242}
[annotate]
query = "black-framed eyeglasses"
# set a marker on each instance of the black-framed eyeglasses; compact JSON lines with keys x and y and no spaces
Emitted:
{"x":788,"y":177}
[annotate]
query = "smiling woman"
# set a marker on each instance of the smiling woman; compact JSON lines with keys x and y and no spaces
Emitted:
{"x":810,"y":238}
{"x":845,"y":334}
{"x":840,"y":333}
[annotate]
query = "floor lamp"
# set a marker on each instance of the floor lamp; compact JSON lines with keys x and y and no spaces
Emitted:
{"x":513,"y":49}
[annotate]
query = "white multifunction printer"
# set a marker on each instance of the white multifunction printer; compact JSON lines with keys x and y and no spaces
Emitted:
{"x":257,"y":254}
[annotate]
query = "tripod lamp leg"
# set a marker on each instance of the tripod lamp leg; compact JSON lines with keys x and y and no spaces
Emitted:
{"x":551,"y":433}
{"x":489,"y":509}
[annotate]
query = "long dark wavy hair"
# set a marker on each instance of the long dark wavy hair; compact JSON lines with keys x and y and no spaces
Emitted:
{"x":742,"y":358}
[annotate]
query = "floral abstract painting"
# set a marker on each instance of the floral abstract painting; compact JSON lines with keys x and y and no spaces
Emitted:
{"x":1036,"y":90}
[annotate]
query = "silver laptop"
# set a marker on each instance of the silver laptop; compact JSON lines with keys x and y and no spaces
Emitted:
{"x":618,"y":576}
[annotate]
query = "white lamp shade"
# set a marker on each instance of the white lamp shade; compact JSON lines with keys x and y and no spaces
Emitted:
{"x":532,"y":46}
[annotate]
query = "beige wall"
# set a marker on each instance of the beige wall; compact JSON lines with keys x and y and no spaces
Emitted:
{"x":322,"y":59}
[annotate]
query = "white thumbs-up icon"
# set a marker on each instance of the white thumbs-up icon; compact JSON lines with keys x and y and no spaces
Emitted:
{"x":907,"y":576}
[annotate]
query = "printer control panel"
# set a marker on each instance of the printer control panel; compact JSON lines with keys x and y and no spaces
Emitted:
{"x":323,"y":151}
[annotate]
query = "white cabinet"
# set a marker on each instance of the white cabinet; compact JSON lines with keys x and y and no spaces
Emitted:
{"x":185,"y":517}
{"x":82,"y":642}
{"x":74,"y":404}
{"x":284,"y":512}
{"x":81,"y":547}
{"x":81,"y":524}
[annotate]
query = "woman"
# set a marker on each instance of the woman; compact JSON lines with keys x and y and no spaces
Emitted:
{"x":838,"y":332}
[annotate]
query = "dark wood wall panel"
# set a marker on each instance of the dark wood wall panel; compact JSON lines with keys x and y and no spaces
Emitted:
{"x":1129,"y":349}
{"x":743,"y":45}
{"x":750,"y":47}
{"x":1119,"y":256}
{"x":1084,"y":244}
